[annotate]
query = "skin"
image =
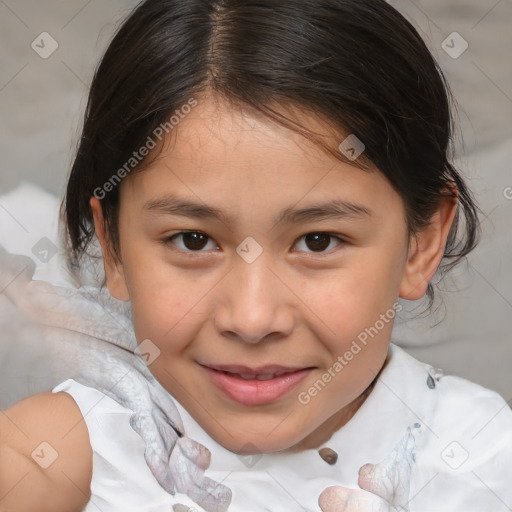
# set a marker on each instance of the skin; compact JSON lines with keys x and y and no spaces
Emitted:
{"x":25,"y":486}
{"x":292,"y":306}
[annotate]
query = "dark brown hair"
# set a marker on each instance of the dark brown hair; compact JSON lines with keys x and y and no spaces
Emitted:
{"x":360,"y":65}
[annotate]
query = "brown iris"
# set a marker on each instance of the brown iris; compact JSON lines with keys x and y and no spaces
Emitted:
{"x":318,"y":241}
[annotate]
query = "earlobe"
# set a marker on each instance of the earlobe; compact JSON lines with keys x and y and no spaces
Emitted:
{"x":114,"y":271}
{"x":426,"y":250}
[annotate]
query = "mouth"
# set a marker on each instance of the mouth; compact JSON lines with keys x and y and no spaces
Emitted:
{"x":255,"y":386}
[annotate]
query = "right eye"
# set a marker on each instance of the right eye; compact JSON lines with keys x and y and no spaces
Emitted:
{"x":190,"y":241}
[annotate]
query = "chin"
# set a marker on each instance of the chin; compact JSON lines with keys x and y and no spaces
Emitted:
{"x":257,"y":442}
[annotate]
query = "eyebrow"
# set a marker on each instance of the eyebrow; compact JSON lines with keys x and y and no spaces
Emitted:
{"x":334,"y":209}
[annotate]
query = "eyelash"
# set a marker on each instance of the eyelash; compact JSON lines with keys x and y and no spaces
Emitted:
{"x":170,"y":240}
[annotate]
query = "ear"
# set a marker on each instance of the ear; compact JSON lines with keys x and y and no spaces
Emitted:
{"x":426,"y":250}
{"x":114,"y":271}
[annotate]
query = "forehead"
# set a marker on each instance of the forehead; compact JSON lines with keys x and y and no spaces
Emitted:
{"x":219,"y":124}
{"x":221,"y":154}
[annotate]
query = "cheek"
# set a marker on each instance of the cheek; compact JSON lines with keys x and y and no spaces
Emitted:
{"x":165,"y":305}
{"x":354,"y":298}
{"x":357,"y":307}
{"x":357,"y":314}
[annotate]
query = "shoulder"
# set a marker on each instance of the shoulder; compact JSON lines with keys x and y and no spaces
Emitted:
{"x":468,"y":425}
{"x":479,"y":416}
{"x":46,"y":417}
{"x":464,"y":455}
{"x":454,"y":398}
{"x":49,"y":432}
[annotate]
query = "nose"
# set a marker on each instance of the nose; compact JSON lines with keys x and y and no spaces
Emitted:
{"x":254,"y":304}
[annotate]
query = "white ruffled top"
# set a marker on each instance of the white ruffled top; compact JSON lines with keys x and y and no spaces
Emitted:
{"x":438,"y":443}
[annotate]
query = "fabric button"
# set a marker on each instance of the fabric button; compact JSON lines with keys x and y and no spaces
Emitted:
{"x":329,"y":455}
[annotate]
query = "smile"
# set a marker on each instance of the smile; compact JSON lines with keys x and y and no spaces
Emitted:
{"x":255,"y":386}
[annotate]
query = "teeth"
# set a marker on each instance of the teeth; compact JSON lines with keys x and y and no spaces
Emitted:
{"x":252,"y":376}
{"x":265,"y":377}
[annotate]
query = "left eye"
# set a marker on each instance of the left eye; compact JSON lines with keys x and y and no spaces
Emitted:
{"x":318,"y":242}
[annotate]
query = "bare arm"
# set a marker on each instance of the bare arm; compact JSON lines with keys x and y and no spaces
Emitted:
{"x":45,"y":456}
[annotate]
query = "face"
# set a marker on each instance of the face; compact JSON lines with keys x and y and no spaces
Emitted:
{"x":255,"y":262}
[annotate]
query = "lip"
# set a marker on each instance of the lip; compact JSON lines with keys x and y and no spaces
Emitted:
{"x":251,"y":391}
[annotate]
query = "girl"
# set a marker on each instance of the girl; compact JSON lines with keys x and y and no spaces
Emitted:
{"x":266,"y":180}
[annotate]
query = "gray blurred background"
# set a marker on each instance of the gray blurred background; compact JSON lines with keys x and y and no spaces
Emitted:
{"x":42,"y":102}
